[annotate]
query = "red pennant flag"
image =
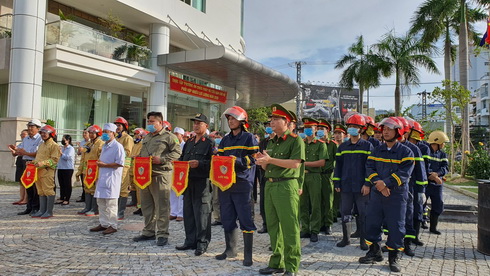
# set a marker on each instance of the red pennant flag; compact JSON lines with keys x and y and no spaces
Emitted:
{"x":142,"y":172}
{"x":222,"y":172}
{"x":180,"y":177}
{"x":29,"y":177}
{"x":91,"y":173}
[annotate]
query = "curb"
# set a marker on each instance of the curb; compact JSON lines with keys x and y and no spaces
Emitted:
{"x":464,"y":192}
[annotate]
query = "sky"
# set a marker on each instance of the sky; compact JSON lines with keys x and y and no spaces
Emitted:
{"x":319,"y":32}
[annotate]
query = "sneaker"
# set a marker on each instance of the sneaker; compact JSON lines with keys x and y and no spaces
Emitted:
{"x":161,"y":241}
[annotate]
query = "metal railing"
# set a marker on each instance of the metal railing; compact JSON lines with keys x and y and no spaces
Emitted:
{"x":86,"y":39}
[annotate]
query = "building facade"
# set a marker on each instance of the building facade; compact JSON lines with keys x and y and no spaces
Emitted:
{"x":78,"y":63}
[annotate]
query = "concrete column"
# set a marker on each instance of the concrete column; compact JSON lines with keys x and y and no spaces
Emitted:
{"x":26,"y":59}
{"x":160,"y":44}
{"x":230,"y":101}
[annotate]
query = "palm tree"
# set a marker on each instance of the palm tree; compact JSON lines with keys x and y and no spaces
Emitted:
{"x":404,"y":56}
{"x":363,"y":68}
{"x":436,"y":19}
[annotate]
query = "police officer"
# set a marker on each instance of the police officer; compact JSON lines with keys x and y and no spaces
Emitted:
{"x":324,"y":127}
{"x":349,"y":178}
{"x":47,"y":157}
{"x":388,"y":169}
{"x":127,"y":142}
{"x":197,"y":197}
{"x":91,"y":151}
{"x":438,"y":168}
{"x":269,"y":134}
{"x":235,"y":202}
{"x":311,"y":199}
{"x":284,"y":171}
{"x":163,"y":147}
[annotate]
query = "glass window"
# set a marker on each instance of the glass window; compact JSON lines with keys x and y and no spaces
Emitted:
{"x":197,"y":4}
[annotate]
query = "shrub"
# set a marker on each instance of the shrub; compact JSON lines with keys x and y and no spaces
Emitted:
{"x":479,"y":162}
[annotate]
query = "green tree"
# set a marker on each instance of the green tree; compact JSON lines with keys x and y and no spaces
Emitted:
{"x":256,"y":118}
{"x":404,"y":56}
{"x":440,"y":19}
{"x":363,"y":68}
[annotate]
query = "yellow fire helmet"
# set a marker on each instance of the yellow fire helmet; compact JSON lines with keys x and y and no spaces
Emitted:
{"x":437,"y":137}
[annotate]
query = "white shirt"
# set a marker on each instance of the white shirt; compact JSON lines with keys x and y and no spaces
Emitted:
{"x":109,"y":181}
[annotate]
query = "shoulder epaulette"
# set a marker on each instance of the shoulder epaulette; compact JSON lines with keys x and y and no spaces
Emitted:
{"x":321,"y":141}
{"x":294,"y":135}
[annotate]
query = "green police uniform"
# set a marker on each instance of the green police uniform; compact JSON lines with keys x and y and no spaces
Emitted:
{"x":282,"y":202}
{"x":311,"y":199}
{"x":327,"y":184}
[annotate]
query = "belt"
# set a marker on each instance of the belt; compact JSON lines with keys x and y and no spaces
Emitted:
{"x":278,"y":179}
{"x":310,"y":172}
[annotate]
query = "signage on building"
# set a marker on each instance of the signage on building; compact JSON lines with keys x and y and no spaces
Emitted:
{"x":330,"y":103}
{"x":197,"y":90}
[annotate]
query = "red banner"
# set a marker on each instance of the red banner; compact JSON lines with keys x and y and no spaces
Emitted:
{"x":180,"y":177}
{"x":29,"y":177}
{"x":197,"y":90}
{"x":222,"y":172}
{"x":91,"y":174}
{"x":142,"y":172}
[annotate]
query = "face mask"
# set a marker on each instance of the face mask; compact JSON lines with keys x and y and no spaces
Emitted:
{"x":320,"y":133}
{"x":352,"y":131}
{"x":266,"y":136}
{"x":268,"y":130}
{"x":137,"y":140}
{"x":370,"y":131}
{"x":302,"y":135}
{"x":151,"y":128}
{"x":346,"y":139}
{"x":105,"y":137}
{"x":309,"y":131}
{"x":217,"y":140}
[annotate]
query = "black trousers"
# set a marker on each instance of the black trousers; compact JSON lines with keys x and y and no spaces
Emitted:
{"x":197,"y":213}
{"x":32,"y":198}
{"x":262,"y":199}
{"x":64,"y":179}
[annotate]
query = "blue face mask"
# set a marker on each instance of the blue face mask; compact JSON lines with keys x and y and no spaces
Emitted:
{"x":105,"y":137}
{"x":137,"y":140}
{"x":352,"y":131}
{"x":268,"y":130}
{"x":309,"y":131}
{"x":346,"y":139}
{"x":151,"y":128}
{"x":266,"y":136}
{"x":302,"y":135}
{"x":320,"y":133}
{"x":217,"y":140}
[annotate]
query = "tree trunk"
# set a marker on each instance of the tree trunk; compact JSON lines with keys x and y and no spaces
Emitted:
{"x":397,"y":94}
{"x":463,"y":79}
{"x":449,"y":113}
{"x":361,"y":98}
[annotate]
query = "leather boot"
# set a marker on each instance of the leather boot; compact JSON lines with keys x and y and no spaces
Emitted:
{"x":133,"y":201}
{"x":434,"y":220}
{"x":363,"y":244}
{"x":408,"y":250}
{"x":42,"y":207}
{"x":95,"y":208}
{"x":373,"y":255}
{"x":49,"y":207}
{"x":231,"y":240}
{"x":121,"y":207}
{"x":88,"y":204}
{"x":346,"y":230}
{"x":357,"y":234}
{"x":393,"y":260}
{"x":416,"y":226}
{"x":248,"y":241}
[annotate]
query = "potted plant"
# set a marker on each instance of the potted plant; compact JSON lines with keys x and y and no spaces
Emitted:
{"x":135,"y":52}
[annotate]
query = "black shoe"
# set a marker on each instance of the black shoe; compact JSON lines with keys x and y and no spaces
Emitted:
{"x":262,"y":231}
{"x":199,"y":251}
{"x":216,"y":223}
{"x":373,"y":255}
{"x":269,"y":270}
{"x":138,"y":212}
{"x":355,"y":234}
{"x":80,"y":200}
{"x":143,"y":238}
{"x":424,"y":225}
{"x":328,"y":230}
{"x":314,"y":237}
{"x":26,"y":212}
{"x":161,"y":241}
{"x":393,"y":260}
{"x":417,"y":242}
{"x":323,"y":228}
{"x":304,"y":235}
{"x":185,"y":247}
{"x":408,"y":250}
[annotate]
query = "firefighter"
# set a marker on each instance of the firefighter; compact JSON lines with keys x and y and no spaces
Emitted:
{"x":388,"y":169}
{"x":127,"y":142}
{"x":368,"y":131}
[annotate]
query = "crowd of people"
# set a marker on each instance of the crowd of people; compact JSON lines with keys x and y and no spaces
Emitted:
{"x":378,"y":175}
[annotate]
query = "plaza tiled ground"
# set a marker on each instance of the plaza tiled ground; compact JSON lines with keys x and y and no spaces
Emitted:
{"x":63,"y":246}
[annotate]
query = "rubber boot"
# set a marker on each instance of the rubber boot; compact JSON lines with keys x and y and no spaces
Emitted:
{"x":248,"y":241}
{"x":408,"y":250}
{"x":231,"y":240}
{"x":133,"y":201}
{"x":49,"y":207}
{"x":393,"y":260}
{"x":95,"y":208}
{"x":373,"y":255}
{"x":88,"y":204}
{"x":121,"y":207}
{"x":417,"y":241}
{"x":346,"y":230}
{"x":434,"y":220}
{"x":42,"y":207}
{"x":357,"y":234}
